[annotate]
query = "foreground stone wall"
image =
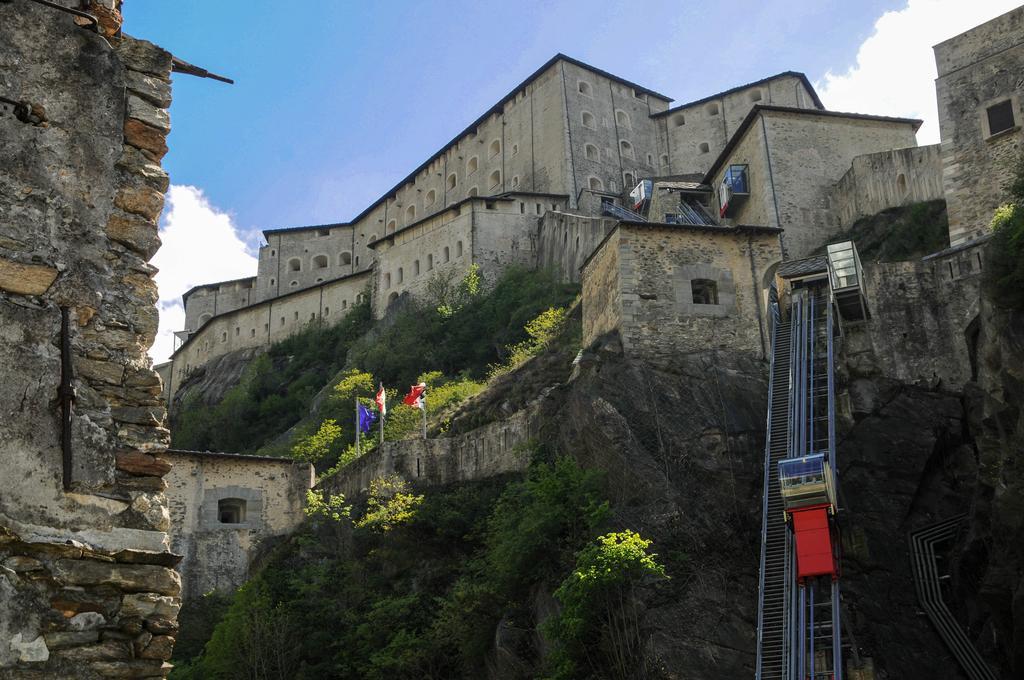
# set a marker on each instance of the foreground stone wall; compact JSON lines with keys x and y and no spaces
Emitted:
{"x":565,"y":241}
{"x":488,"y":451}
{"x":887,"y":179}
{"x":87,"y":588}
{"x":216,"y":555}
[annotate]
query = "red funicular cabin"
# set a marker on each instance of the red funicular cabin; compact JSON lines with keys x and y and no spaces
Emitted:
{"x":808,"y":496}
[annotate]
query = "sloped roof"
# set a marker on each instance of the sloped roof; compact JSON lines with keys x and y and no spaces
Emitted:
{"x":809,"y":265}
{"x":739,"y":88}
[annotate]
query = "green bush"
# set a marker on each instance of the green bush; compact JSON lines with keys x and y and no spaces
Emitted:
{"x":1004,"y":271}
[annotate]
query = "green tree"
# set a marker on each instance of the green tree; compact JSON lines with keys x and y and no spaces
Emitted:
{"x":319,"y":445}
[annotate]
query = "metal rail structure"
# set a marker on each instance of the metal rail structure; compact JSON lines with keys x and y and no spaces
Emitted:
{"x":799,"y":633}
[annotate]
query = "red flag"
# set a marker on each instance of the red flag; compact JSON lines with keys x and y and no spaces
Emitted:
{"x":416,"y":396}
{"x":381,"y":399}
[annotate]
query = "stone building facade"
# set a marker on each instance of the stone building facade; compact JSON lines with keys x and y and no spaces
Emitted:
{"x":87,"y":581}
{"x":980,"y":89}
{"x":792,"y":159}
{"x":668,"y":289}
{"x":226,"y":510}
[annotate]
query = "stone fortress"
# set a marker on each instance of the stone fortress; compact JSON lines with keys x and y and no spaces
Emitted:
{"x":535,"y":181}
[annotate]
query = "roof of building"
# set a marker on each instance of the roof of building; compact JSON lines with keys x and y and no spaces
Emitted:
{"x":506,"y":196}
{"x":759,"y":108}
{"x":279,"y":230}
{"x":234,"y":456}
{"x":684,"y":186}
{"x":739,"y":88}
{"x":498,"y":107}
{"x":809,"y":265}
{"x":365,"y":272}
{"x":215,"y":284}
{"x":714,"y":229}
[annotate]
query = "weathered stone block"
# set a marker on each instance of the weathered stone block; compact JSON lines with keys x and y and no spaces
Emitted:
{"x":20,"y":563}
{"x":160,"y":647}
{"x":26,"y":279}
{"x":86,"y":621}
{"x":99,"y":371}
{"x":127,"y":577}
{"x":142,"y":55}
{"x":140,"y":415}
{"x":151,"y":605}
{"x":140,"y":109}
{"x":149,"y":139}
{"x":161,"y":626}
{"x":132,"y":669}
{"x":62,"y":639}
{"x":141,"y":200}
{"x":134,"y":161}
{"x":156,"y":91}
{"x":107,"y":650}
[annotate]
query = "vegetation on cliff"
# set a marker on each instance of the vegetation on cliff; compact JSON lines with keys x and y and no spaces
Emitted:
{"x":414,"y":586}
{"x":901,"y":233}
{"x":464,"y":332}
{"x":1004,"y":275}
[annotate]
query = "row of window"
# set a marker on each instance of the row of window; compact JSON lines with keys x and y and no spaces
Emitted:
{"x":595,"y":184}
{"x":711,"y":109}
{"x":400,"y":273}
{"x":318,"y":262}
{"x":586,"y":89}
{"x":266,"y":327}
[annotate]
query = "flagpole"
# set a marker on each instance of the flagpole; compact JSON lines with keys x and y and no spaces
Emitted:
{"x":382,"y":429}
{"x":423,"y":400}
{"x":357,"y":428}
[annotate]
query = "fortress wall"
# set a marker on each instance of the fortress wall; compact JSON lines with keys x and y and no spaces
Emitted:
{"x":887,"y":179}
{"x":218,"y":298}
{"x":303,"y":246}
{"x":216,"y":554}
{"x":927,"y":306}
{"x":488,"y":451}
{"x":759,"y":207}
{"x":657,"y":266}
{"x":83,"y":516}
{"x":619,"y":115}
{"x":264,"y":323}
{"x":693,"y":125}
{"x":565,"y":241}
{"x":977,"y":70}
{"x":602,"y":291}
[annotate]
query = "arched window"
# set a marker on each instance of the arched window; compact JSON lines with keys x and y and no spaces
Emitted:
{"x":295,"y":265}
{"x":430,"y":262}
{"x":447,"y":255}
{"x":678,"y":120}
{"x":410,"y":213}
{"x":626,"y":148}
{"x":357,"y":260}
{"x":755,"y":96}
{"x":704,"y":147}
{"x":293,"y":284}
{"x":622,"y":119}
{"x":472,"y":191}
{"x":515,"y":182}
{"x":272,"y":282}
{"x":431,"y":197}
{"x":273,"y":253}
{"x":901,"y":185}
{"x":320,"y":262}
{"x":705,"y":291}
{"x":471,"y":165}
{"x":495,"y":148}
{"x":416,"y":268}
{"x":319,"y":279}
{"x":595,"y":184}
{"x":204,"y":318}
{"x":711,"y":109}
{"x":252,"y":333}
{"x":628,"y":181}
{"x":592,"y":152}
{"x":588,"y":120}
{"x":664,"y":160}
{"x":515,"y":149}
{"x":495,"y":179}
{"x":387,"y":281}
{"x":231,"y":510}
{"x":401,"y":275}
{"x":345,"y":258}
{"x":344,"y":305}
{"x":585,"y":88}
{"x":452,"y":181}
{"x":327,"y":311}
{"x":392,"y":225}
{"x":458,"y":249}
{"x":224,"y":336}
{"x":392,"y":298}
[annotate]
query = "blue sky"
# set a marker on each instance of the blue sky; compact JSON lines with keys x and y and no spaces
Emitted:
{"x":335,"y":102}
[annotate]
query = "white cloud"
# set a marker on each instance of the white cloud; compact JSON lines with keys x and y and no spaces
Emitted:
{"x":200,"y":245}
{"x":895,"y":69}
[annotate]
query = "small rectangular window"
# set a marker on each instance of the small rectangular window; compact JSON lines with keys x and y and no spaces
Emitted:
{"x":1000,"y":117}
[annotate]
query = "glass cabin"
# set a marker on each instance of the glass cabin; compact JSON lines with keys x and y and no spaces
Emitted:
{"x":806,"y":481}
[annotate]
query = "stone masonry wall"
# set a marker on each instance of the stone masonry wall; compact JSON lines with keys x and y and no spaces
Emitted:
{"x":87,"y":588}
{"x":977,"y":69}
{"x":887,"y":179}
{"x":218,"y":555}
{"x":602,"y":291}
{"x":658,"y":265}
{"x":488,"y":451}
{"x":565,"y":241}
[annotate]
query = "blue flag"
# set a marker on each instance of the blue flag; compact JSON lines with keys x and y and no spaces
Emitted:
{"x":366,"y":418}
